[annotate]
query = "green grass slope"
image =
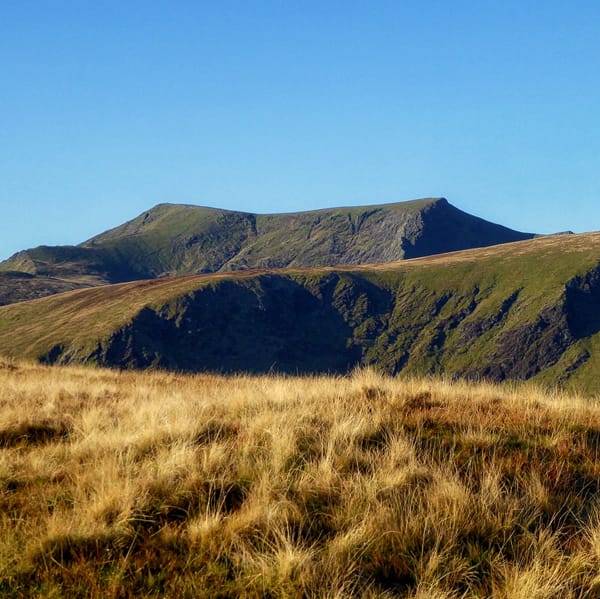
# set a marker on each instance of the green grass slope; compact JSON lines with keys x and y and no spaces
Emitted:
{"x":516,"y":311}
{"x":177,"y":240}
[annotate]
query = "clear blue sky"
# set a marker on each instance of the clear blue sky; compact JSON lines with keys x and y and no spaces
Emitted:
{"x":107,"y":108}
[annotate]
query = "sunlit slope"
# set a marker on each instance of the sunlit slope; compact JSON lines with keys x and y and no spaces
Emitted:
{"x":516,"y":311}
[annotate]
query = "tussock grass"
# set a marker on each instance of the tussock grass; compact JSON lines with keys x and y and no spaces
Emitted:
{"x":120,"y":484}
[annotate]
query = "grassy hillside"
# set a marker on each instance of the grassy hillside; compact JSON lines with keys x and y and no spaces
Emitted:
{"x":120,"y":484}
{"x":518,"y":311}
{"x":177,"y":240}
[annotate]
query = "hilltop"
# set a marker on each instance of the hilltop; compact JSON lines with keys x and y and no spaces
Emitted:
{"x":526,"y":310}
{"x":174,"y":240}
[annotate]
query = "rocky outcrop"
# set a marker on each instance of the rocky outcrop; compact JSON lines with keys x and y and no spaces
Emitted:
{"x":524,"y":351}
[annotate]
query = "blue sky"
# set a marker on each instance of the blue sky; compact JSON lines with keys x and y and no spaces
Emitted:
{"x":109,"y":108}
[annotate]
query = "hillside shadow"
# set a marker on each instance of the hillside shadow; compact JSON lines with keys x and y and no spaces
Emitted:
{"x":273,"y":324}
{"x":583,"y":304}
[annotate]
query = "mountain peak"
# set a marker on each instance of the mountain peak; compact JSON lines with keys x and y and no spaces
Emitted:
{"x":178,"y":239}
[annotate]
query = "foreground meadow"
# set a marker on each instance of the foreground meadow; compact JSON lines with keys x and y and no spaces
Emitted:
{"x":118,"y":484}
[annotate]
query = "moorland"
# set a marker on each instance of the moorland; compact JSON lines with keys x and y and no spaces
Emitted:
{"x":128,"y":484}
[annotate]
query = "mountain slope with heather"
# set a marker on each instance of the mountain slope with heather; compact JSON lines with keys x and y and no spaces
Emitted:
{"x":515,"y":311}
{"x":175,"y":239}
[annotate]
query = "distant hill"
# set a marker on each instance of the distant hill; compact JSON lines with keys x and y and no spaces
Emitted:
{"x":527,"y":310}
{"x":173,"y":239}
{"x":16,"y":286}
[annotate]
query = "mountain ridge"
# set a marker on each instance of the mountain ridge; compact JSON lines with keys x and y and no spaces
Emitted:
{"x":175,"y":239}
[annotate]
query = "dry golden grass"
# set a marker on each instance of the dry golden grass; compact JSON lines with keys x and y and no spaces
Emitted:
{"x":153,"y":484}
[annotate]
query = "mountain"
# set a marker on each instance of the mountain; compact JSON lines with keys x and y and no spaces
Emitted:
{"x":526,"y":310}
{"x":175,"y":239}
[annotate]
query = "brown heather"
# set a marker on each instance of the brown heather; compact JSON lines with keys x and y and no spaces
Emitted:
{"x":117,"y":484}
